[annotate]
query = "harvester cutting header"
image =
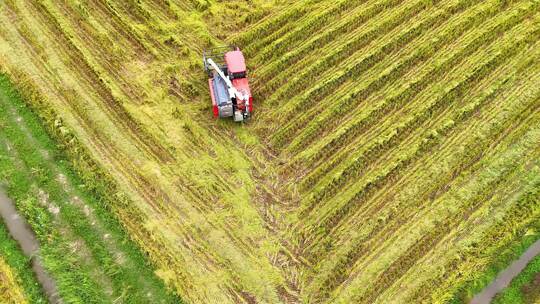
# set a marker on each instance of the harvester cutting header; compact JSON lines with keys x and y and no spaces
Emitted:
{"x":229,"y":86}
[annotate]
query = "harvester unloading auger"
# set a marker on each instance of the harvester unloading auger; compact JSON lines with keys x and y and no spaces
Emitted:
{"x":229,"y":86}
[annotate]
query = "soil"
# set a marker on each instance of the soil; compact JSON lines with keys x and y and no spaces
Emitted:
{"x":531,"y":291}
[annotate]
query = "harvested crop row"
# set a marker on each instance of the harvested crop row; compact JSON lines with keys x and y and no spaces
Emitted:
{"x":393,"y":133}
{"x":107,"y":14}
{"x":400,"y":266}
{"x":345,"y":39}
{"x":362,"y":154}
{"x":446,"y":34}
{"x":521,"y":143}
{"x":370,"y":210}
{"x":305,"y":96}
{"x":502,"y":81}
{"x":397,"y":96}
{"x":384,"y":221}
{"x":332,"y":219}
{"x":368,"y":63}
{"x":281,"y":24}
{"x":348,"y":103}
{"x":287,"y":60}
{"x":397,"y":224}
{"x":356,"y":121}
{"x":144,"y":185}
{"x":311,"y":26}
{"x":516,"y":211}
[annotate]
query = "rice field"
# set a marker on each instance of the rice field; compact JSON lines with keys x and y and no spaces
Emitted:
{"x":393,"y":155}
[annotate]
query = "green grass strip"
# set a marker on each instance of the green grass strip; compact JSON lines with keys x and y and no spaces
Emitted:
{"x":517,"y":291}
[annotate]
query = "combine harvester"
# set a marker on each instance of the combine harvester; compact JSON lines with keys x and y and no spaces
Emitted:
{"x":229,"y":86}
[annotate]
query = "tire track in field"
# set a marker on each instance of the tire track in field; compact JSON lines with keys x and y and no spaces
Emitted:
{"x":118,"y":255}
{"x":105,"y":13}
{"x":108,"y":152}
{"x":147,"y":184}
{"x":110,"y":64}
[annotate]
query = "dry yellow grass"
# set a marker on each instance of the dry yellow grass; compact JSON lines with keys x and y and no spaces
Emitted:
{"x":10,"y":290}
